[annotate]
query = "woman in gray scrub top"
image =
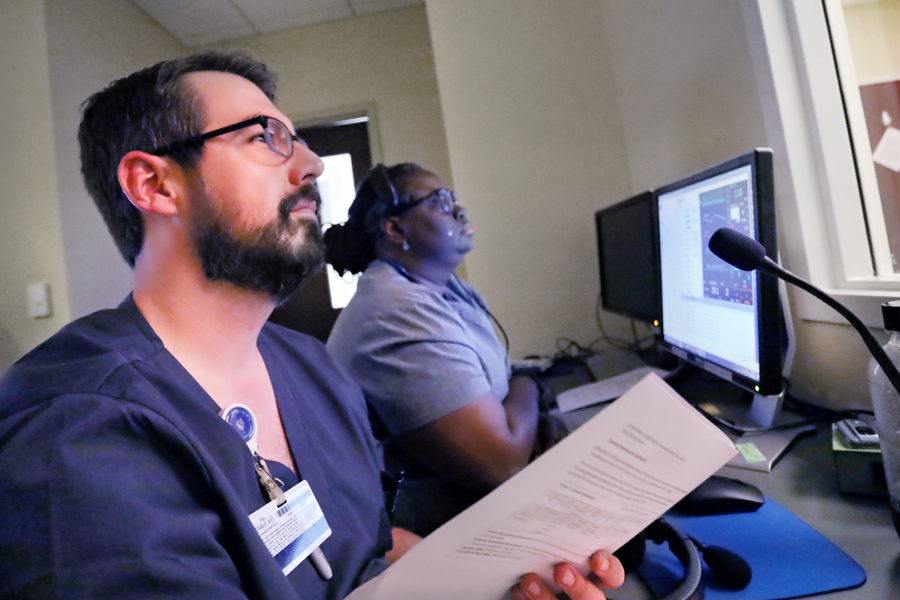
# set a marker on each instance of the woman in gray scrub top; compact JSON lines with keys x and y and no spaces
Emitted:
{"x":422,"y":345}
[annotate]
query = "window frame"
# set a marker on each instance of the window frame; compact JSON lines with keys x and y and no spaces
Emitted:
{"x":829,"y":236}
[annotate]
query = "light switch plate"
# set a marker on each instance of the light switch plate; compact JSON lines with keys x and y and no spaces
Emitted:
{"x":38,"y":300}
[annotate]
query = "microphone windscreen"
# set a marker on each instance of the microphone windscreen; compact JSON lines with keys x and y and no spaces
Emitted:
{"x":729,"y":570}
{"x":737,"y":249}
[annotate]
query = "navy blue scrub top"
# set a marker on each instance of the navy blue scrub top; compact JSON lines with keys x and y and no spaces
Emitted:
{"x":118,"y":479}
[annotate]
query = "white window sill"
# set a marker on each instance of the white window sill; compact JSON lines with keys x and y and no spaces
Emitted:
{"x":865,"y":304}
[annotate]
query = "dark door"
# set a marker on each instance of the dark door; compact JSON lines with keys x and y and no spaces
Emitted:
{"x":309,"y":310}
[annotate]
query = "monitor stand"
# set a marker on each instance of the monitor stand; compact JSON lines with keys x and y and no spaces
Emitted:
{"x":763,"y":434}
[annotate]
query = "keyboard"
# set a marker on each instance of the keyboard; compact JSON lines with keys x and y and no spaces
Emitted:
{"x":604,"y":390}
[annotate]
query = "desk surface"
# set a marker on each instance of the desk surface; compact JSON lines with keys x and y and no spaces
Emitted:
{"x":804,"y":481}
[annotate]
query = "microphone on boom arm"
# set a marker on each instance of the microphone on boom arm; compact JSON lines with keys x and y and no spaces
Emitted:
{"x":747,"y":254}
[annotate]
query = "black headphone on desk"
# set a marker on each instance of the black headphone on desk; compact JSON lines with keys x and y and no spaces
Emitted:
{"x":729,"y":570}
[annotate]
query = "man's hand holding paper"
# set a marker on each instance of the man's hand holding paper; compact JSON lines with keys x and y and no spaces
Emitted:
{"x":598,"y":488}
{"x":604,"y":565}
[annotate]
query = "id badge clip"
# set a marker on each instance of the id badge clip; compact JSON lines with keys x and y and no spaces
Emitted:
{"x":243,"y":421}
{"x":292,"y":524}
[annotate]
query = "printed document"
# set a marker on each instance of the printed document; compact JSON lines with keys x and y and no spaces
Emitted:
{"x":596,"y":489}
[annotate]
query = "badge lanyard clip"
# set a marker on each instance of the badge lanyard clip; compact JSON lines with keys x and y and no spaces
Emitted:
{"x":272,"y":485}
{"x":241,"y":418}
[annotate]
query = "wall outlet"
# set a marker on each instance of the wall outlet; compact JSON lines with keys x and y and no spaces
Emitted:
{"x":38,"y":300}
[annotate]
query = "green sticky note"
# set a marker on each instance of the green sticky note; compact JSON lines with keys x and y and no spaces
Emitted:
{"x":750,"y":453}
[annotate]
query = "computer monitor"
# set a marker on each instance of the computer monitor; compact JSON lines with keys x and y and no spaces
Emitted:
{"x":732,"y":323}
{"x":713,"y":315}
{"x":628,"y":258}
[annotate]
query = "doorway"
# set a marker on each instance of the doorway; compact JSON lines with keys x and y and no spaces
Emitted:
{"x":315,"y":306}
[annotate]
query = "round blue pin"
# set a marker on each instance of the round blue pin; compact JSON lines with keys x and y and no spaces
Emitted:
{"x":241,"y":418}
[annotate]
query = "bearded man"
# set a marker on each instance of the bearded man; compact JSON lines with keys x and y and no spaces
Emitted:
{"x":180,"y":445}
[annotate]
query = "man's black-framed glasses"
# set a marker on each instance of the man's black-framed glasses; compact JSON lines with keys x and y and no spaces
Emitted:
{"x":278,"y":137}
{"x":444,"y":200}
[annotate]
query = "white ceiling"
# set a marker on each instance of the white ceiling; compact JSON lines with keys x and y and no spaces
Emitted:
{"x":198,"y":22}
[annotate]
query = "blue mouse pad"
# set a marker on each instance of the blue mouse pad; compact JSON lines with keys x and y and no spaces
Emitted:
{"x":788,"y":557}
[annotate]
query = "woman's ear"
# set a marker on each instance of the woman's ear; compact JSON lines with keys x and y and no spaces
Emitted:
{"x":152,"y":183}
{"x":393,"y":230}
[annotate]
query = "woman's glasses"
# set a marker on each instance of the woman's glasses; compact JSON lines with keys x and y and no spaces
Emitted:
{"x":442,"y":198}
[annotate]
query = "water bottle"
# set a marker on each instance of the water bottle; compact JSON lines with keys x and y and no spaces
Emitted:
{"x":886,"y":402}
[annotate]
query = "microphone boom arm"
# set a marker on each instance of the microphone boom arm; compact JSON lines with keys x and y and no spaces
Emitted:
{"x":771,"y":268}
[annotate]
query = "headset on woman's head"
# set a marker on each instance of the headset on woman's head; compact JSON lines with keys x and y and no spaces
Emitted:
{"x":383,"y":187}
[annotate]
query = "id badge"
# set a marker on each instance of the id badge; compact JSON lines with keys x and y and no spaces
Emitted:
{"x":293,"y":530}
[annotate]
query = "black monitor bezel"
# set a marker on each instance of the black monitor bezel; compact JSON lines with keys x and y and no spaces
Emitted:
{"x":606,"y":285}
{"x":769,"y":332}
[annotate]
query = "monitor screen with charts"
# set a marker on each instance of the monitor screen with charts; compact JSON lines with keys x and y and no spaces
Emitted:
{"x":716,"y":316}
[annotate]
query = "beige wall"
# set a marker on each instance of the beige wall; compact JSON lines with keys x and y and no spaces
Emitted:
{"x":555,"y":109}
{"x":552,"y":110}
{"x":536,"y":146}
{"x":30,"y":243}
{"x":67,"y":49}
{"x":873,"y":31}
{"x":91,"y":43}
{"x":382,"y":63}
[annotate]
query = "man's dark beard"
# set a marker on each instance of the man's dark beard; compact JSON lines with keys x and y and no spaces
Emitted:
{"x":261,"y":260}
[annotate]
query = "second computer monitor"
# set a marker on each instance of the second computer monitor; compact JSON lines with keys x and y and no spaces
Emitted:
{"x":716,"y":316}
{"x":628,"y":259}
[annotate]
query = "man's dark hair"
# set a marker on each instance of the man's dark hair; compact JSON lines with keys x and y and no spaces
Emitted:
{"x":145,"y":110}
